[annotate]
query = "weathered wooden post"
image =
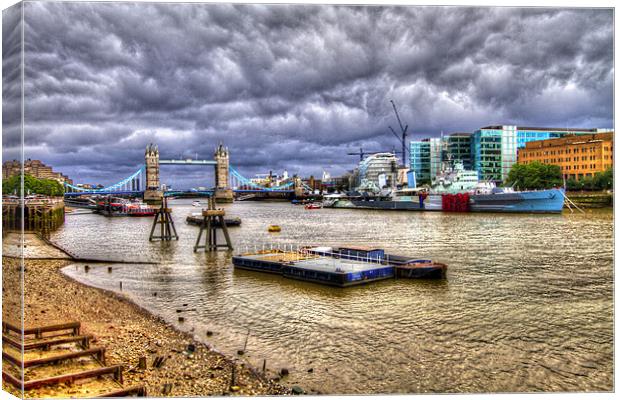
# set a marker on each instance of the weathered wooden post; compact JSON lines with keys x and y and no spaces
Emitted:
{"x":163,"y":217}
{"x":210,"y":218}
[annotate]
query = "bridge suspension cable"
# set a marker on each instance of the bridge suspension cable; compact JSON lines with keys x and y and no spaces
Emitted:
{"x":235,"y":175}
{"x":117,"y":187}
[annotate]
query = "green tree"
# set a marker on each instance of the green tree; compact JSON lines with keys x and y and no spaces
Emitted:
{"x":603,"y":180}
{"x":600,"y":181}
{"x":32,"y":185}
{"x":574,"y":184}
{"x":535,"y":175}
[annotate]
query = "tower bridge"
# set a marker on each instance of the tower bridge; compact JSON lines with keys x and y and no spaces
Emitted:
{"x":146,"y":180}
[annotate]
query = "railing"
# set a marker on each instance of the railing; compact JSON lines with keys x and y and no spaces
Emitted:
{"x":300,"y":253}
{"x":37,"y":201}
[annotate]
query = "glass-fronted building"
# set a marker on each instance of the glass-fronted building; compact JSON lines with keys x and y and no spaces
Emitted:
{"x":458,"y":147}
{"x":425,"y":158}
{"x":419,"y":159}
{"x":494,"y":148}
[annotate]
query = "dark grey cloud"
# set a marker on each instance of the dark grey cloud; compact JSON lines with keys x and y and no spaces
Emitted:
{"x":295,"y":87}
{"x":11,"y":78}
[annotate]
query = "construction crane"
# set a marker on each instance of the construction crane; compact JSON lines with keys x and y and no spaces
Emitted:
{"x":403,"y":137}
{"x":363,"y":153}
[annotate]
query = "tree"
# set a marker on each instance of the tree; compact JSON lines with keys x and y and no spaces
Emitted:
{"x":32,"y":185}
{"x":574,"y":184}
{"x":535,"y":175}
{"x":603,"y":180}
{"x":600,"y":181}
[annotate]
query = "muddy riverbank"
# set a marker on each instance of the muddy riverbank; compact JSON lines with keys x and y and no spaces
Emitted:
{"x":128,"y":333}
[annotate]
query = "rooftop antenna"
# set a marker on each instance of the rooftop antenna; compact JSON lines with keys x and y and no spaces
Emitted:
{"x":403,"y":137}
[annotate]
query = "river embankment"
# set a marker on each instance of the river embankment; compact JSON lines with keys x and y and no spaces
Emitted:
{"x":127,"y":331}
{"x":585,"y":199}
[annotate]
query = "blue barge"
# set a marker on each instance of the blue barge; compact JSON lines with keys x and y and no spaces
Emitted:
{"x":341,"y":267}
{"x":314,"y":268}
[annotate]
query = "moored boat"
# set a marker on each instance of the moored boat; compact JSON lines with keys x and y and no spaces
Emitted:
{"x":340,"y":266}
{"x":119,"y":207}
{"x":405,"y":266}
{"x":456,"y":189}
{"x":532,"y":201}
{"x":138,"y":210}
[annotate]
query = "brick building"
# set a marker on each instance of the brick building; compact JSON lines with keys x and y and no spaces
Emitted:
{"x":578,"y":156}
{"x":34,"y":168}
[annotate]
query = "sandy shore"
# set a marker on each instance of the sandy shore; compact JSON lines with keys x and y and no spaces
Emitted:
{"x":128,"y":333}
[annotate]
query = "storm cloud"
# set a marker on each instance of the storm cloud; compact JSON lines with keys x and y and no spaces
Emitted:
{"x":295,"y":87}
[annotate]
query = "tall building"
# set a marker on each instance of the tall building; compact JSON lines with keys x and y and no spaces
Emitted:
{"x":379,"y":169}
{"x":458,"y":147}
{"x":578,"y":156}
{"x":486,"y":151}
{"x":425,"y":158}
{"x":34,"y":168}
{"x":494,"y":148}
{"x":491,"y":150}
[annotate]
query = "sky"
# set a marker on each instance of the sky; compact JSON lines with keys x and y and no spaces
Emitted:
{"x":289,"y":86}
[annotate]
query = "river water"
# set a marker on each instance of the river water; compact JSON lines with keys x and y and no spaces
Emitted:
{"x":527,"y":304}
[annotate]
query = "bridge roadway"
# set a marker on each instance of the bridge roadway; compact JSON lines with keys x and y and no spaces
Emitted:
{"x":172,"y":192}
{"x":188,"y":161}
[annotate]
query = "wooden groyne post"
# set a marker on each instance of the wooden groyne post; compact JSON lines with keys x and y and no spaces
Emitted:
{"x":210,"y":216}
{"x":163,"y":217}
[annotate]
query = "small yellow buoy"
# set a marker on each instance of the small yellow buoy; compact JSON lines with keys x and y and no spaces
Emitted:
{"x":274,"y":228}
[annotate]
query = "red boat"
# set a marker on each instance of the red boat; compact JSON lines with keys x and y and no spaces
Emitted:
{"x":313,"y":206}
{"x":125,"y":209}
{"x":139,"y":210}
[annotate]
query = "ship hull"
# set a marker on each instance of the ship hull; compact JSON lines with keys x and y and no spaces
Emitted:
{"x":378,"y":205}
{"x":541,"y":201}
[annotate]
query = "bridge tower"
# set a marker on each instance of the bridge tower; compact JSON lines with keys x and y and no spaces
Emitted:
{"x":223,"y":193}
{"x":299,"y":190}
{"x":152,"y":192}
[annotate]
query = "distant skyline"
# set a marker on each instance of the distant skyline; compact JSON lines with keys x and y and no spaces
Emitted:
{"x":294,"y":87}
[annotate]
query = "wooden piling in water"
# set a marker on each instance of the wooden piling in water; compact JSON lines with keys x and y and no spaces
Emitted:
{"x":210,"y":217}
{"x":163,"y":217}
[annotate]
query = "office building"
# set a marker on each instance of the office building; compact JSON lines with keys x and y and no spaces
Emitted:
{"x":458,"y":147}
{"x":578,"y":156}
{"x":425,"y":157}
{"x":494,"y":148}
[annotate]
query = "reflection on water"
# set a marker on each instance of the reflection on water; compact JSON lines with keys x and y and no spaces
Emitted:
{"x":527,"y":305}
